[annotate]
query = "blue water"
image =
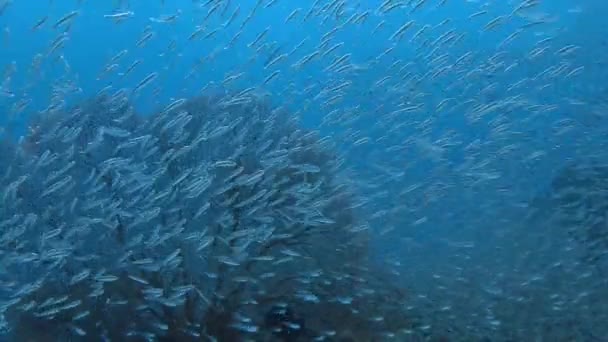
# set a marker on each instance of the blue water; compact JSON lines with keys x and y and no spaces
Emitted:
{"x":475,"y":190}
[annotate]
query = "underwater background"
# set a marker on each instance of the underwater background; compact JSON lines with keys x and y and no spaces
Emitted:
{"x":324,"y":170}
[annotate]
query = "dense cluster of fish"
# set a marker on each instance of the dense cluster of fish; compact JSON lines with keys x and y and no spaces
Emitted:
{"x":419,"y":125}
{"x":213,"y":209}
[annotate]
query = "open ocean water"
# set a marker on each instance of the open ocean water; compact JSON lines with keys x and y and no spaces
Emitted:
{"x":288,"y":170}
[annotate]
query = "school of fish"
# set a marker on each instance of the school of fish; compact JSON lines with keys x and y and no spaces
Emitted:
{"x":332,"y":170}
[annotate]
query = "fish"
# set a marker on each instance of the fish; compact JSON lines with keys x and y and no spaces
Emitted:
{"x":208,"y":160}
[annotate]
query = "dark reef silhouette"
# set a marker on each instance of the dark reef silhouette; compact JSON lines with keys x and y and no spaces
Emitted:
{"x":194,"y":223}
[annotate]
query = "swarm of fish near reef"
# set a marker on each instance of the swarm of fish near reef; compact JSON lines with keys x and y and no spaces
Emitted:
{"x":190,"y":224}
